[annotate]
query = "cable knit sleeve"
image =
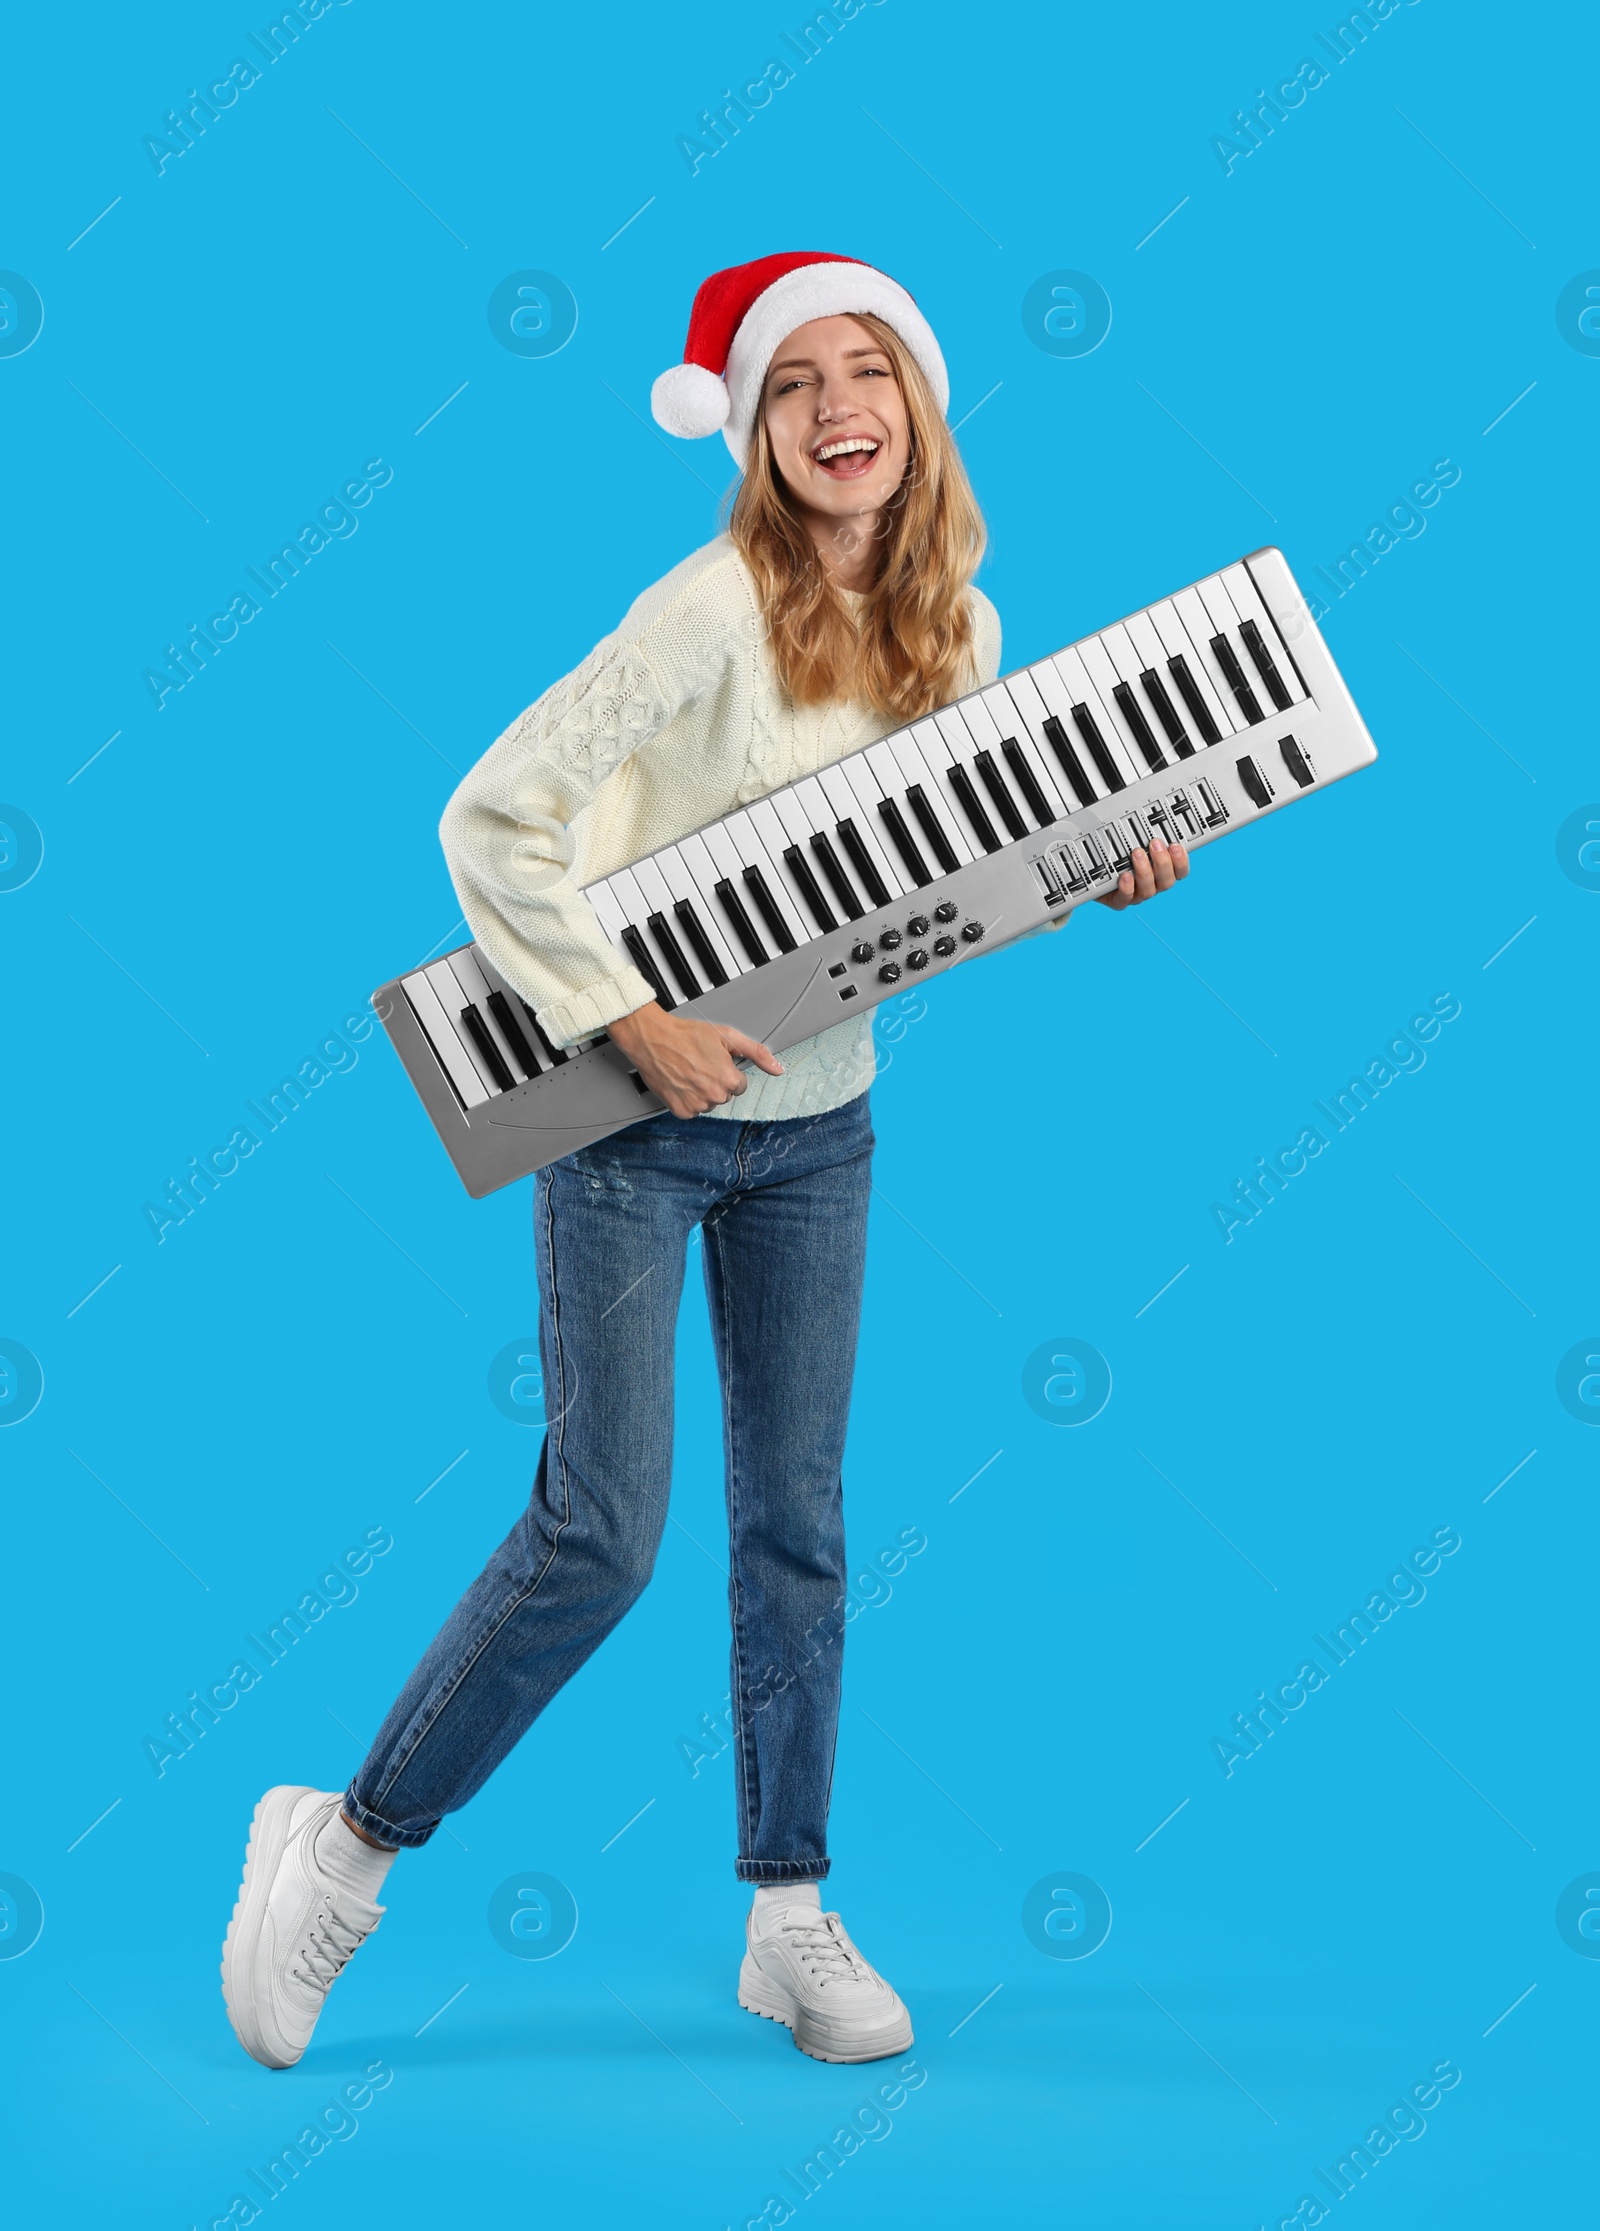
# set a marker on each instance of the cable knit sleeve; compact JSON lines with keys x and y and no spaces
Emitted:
{"x":507,"y":831}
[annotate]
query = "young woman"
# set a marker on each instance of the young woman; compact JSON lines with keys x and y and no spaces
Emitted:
{"x":838,"y":608}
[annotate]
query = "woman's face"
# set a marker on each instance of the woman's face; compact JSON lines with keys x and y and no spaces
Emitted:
{"x":836,"y":420}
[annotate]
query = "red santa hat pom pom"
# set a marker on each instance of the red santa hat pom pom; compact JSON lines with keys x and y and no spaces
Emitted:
{"x":689,"y":401}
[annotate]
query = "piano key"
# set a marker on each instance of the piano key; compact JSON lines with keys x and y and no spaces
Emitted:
{"x":694,"y":862}
{"x":838,"y":881}
{"x":767,"y":908}
{"x":748,"y":830}
{"x":977,"y":817}
{"x":475,"y":989}
{"x":766,"y":824}
{"x":799,"y":868}
{"x":447,"y":991}
{"x":443,"y":1036}
{"x":992,"y":717}
{"x":904,"y":843}
{"x":800,"y":828}
{"x":666,"y":878}
{"x":1021,"y":770}
{"x":1151,"y":655}
{"x":1172,"y":640}
{"x":900,"y":768}
{"x":1191,"y":616}
{"x":608,"y":912}
{"x":1134,"y":733}
{"x":1246,"y":600}
{"x":656,"y":897}
{"x":645,"y":962}
{"x":637,"y":909}
{"x":667,"y":942}
{"x":1265,"y":665}
{"x":477,"y":1030}
{"x":923,"y":746}
{"x":1050,"y":732}
{"x":726,"y":890}
{"x":999,"y":793}
{"x":1093,"y":717}
{"x":744,"y":928}
{"x":515,"y":1036}
{"x":804,"y":810}
{"x":853,"y":793}
{"x":1244,"y":696}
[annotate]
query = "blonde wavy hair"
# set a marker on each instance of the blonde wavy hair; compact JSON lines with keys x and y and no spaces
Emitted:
{"x":912,"y":649}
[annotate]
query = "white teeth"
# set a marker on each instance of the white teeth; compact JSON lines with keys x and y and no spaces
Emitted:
{"x":844,"y":448}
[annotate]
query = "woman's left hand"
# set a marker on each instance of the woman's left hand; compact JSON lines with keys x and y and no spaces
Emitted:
{"x":1156,"y":870}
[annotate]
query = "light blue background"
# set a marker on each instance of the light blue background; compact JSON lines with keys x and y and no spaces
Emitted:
{"x":297,"y":1363}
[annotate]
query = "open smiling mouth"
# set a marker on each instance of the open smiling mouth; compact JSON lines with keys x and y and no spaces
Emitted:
{"x":851,"y":457}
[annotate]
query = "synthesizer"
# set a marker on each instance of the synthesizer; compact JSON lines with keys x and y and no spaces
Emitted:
{"x":949,"y":838}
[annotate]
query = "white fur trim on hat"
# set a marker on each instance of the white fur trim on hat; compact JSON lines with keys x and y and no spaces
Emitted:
{"x":689,"y":401}
{"x":815,"y":290}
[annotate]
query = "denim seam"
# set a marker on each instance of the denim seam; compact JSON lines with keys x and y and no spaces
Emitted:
{"x":558,"y":1441}
{"x":745,"y":1768}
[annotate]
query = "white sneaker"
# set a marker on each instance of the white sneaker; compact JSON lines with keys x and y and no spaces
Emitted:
{"x":292,"y":1929}
{"x":802,"y":1970}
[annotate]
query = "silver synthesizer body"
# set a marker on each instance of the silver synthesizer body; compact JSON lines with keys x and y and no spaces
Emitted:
{"x":953,"y":836}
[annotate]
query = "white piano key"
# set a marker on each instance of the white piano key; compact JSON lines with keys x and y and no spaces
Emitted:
{"x":730,"y":863}
{"x":922,"y":743}
{"x":638,"y":907}
{"x":982,"y":719}
{"x":1219,"y":610}
{"x":447,"y":990}
{"x":476,"y":987}
{"x":1098,"y":665}
{"x":1199,"y":630}
{"x":765,"y":823}
{"x":681,"y":884}
{"x":1173,"y":639}
{"x":1070,"y":666}
{"x":610,"y":913}
{"x":1032,"y":706}
{"x":1247,"y":603}
{"x":812,"y":805}
{"x":850,"y":789}
{"x":792,"y":828}
{"x":891,"y":780}
{"x":443,"y":1036}
{"x":706,"y":871}
{"x":960,"y":738}
{"x":752,"y":850}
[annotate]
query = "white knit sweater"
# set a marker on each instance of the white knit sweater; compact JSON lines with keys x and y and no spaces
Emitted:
{"x":673,"y":721}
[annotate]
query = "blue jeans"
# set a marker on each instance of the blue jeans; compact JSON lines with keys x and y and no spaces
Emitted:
{"x":783,"y":1213}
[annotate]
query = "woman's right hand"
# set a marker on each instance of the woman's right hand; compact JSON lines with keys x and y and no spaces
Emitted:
{"x":691,"y":1064}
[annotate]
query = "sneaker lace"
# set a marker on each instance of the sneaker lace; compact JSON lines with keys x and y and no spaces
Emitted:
{"x":824,"y":1949}
{"x":328,"y":1944}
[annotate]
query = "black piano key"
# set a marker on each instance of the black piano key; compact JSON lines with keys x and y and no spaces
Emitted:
{"x":862,"y":861}
{"x":982,"y":826}
{"x":904,"y":842}
{"x":1027,"y":782}
{"x":1099,"y":750}
{"x":645,"y":962}
{"x":999,"y":793}
{"x":512,"y":1032}
{"x":1255,"y":644}
{"x":1188,"y":690}
{"x":932,"y":828}
{"x":756,"y":884}
{"x":557,"y":1054}
{"x":661,"y":931}
{"x":704,"y":951}
{"x":493,"y":1059}
{"x":1071,"y":766}
{"x":1166,"y":712}
{"x":1226,"y":657}
{"x":1144,"y":735}
{"x":810,"y":890}
{"x":838,"y":882}
{"x":744,"y":928}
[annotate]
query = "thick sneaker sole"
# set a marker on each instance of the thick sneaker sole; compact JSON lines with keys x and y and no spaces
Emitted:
{"x":269,"y":1828}
{"x":759,"y":1994}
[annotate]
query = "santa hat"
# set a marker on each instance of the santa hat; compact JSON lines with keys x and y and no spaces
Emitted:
{"x":741,"y":316}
